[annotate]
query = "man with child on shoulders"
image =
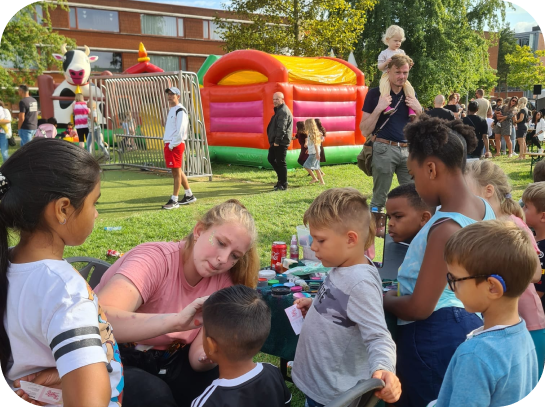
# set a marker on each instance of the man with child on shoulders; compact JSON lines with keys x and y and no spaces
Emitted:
{"x":390,"y":146}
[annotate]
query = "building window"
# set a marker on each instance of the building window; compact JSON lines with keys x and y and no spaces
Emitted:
{"x":211,"y":31}
{"x":181,"y":27}
{"x":532,"y":42}
{"x":39,"y":14}
{"x":11,"y":64}
{"x":107,"y":61}
{"x":158,"y":25}
{"x":169,"y":64}
{"x":205,"y":29}
{"x":72,"y":14}
{"x":100,"y":20}
{"x":184,"y":64}
{"x":524,"y":41}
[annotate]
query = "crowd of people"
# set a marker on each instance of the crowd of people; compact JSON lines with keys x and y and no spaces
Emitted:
{"x":30,"y":126}
{"x":469,"y":305}
{"x":500,"y":124}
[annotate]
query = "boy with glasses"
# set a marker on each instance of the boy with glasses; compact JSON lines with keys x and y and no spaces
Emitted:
{"x":497,"y":365}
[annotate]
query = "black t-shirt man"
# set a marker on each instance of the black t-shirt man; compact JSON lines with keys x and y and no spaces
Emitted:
{"x":393,"y":130}
{"x":452,"y":108}
{"x":29,"y":106}
{"x":441,"y":113}
{"x":481,"y":127}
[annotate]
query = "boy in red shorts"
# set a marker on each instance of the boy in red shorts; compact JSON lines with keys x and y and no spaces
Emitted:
{"x":176,"y":129}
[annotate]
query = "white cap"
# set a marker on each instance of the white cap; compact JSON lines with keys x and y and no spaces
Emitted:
{"x":174,"y":90}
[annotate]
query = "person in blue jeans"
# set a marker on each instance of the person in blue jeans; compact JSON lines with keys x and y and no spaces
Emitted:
{"x":28,"y":115}
{"x":432,"y":322}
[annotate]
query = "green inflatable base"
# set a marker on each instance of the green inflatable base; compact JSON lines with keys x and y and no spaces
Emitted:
{"x":254,"y":157}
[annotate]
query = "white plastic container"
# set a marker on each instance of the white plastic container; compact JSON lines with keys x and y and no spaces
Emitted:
{"x":303,"y":236}
{"x":308,"y":254}
{"x":268,"y":274}
{"x":305,"y":240}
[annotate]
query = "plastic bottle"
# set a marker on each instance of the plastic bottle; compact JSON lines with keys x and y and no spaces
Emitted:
{"x":111,"y":228}
{"x":303,"y":284}
{"x":379,"y":221}
{"x":294,"y":248}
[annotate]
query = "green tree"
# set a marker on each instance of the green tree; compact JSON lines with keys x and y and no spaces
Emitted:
{"x":295,"y":27}
{"x":445,"y":39}
{"x":507,"y":45}
{"x":526,"y":69}
{"x":31,"y":26}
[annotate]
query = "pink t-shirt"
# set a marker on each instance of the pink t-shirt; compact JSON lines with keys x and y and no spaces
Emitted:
{"x":530,"y":308}
{"x":157,"y":272}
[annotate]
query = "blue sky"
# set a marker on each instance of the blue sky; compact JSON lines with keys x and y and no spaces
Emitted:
{"x":520,"y":20}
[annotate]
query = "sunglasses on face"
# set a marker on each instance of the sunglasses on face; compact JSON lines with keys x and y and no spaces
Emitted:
{"x":452,"y":281}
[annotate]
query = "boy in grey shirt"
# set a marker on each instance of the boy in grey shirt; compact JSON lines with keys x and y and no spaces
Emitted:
{"x":344,"y":338}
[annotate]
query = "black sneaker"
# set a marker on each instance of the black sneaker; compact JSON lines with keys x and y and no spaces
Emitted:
{"x":276,"y":187}
{"x":188,"y":199}
{"x":171,"y":205}
{"x":283,"y":187}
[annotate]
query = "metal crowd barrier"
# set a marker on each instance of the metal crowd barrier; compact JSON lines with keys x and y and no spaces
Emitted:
{"x":133,"y":112}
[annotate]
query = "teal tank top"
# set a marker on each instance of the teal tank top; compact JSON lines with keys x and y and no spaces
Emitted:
{"x":410,"y":268}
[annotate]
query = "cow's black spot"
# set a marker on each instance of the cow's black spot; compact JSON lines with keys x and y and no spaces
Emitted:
{"x":65,"y":104}
{"x":67,"y":60}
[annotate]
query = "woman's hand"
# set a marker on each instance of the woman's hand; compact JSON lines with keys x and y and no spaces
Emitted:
{"x":303,"y":304}
{"x":392,"y":390}
{"x":48,"y":378}
{"x":191,"y":316}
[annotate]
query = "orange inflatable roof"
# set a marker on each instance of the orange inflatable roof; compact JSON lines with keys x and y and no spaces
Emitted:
{"x":249,"y":67}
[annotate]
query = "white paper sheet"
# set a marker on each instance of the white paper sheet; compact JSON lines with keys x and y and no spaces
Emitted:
{"x":296,"y":318}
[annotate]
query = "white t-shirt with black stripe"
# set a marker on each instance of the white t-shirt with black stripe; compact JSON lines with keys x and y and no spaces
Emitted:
{"x":53,"y":320}
{"x":262,"y":386}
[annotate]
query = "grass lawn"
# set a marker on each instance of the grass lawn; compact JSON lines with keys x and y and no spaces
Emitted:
{"x":132,"y":199}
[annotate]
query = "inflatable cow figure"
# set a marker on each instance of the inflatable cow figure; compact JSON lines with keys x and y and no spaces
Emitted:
{"x":76,"y":65}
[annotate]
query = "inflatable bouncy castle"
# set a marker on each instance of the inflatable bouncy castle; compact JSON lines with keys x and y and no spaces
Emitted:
{"x":237,"y":103}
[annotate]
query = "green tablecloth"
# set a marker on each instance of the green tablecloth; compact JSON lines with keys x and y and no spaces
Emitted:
{"x":282,"y":340}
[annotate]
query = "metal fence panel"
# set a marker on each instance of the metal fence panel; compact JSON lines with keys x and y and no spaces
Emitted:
{"x":133,"y":112}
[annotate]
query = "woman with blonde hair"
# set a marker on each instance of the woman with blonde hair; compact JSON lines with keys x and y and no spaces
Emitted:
{"x":153,"y":287}
{"x":313,"y":143}
{"x":521,"y":120}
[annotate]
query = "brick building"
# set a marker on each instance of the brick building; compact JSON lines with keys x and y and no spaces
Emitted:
{"x":176,"y":37}
{"x":533,"y":39}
